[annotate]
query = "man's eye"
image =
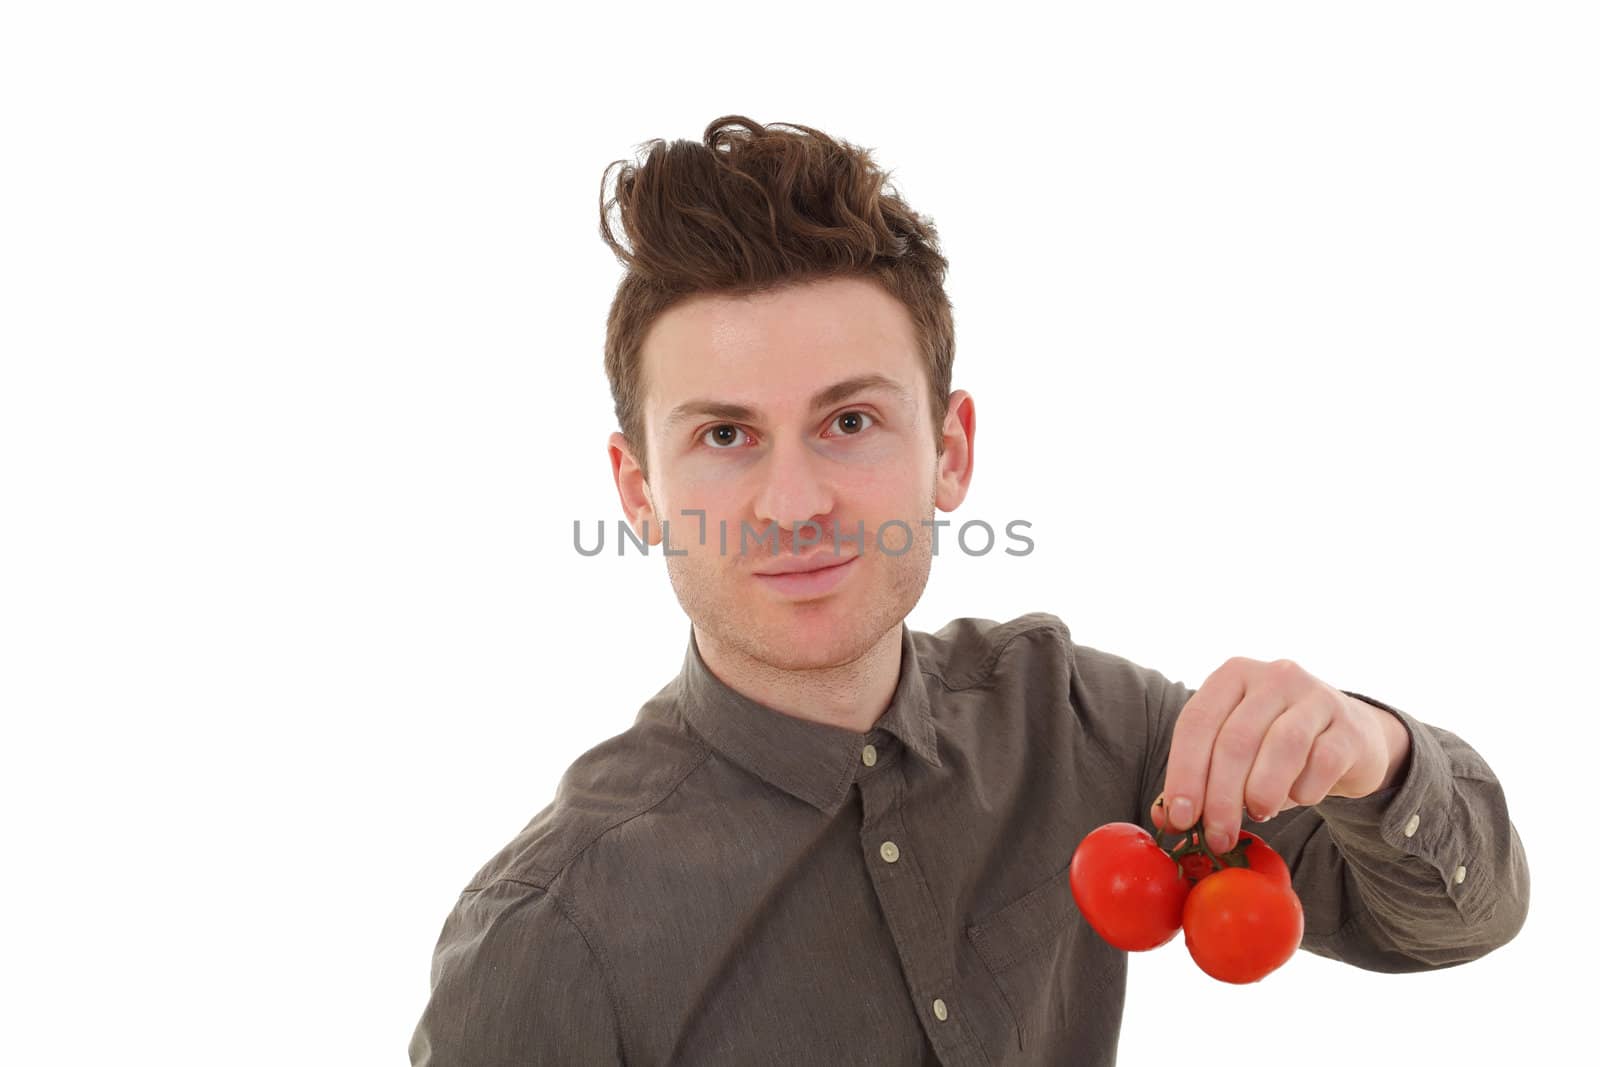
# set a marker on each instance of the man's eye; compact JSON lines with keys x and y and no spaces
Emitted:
{"x":853,"y":422}
{"x":722,"y":437}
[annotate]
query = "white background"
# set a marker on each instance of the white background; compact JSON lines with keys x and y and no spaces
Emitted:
{"x":1280,"y":322}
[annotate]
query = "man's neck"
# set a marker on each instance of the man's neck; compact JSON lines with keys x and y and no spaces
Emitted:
{"x":852,"y":696}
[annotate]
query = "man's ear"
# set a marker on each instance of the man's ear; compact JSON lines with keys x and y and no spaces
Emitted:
{"x":633,"y":490}
{"x":954,"y":473}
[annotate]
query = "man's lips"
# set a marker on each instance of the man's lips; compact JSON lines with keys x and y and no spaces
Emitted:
{"x":806,"y":564}
{"x":813,"y":583}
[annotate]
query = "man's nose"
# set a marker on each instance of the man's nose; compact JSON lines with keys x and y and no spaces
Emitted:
{"x":794,"y":491}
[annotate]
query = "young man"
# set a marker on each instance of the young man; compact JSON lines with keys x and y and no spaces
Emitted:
{"x":834,"y":840}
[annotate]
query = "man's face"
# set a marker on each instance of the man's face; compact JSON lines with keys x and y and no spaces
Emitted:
{"x":740,"y":424}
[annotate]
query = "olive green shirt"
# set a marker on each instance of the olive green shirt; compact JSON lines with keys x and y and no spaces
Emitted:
{"x":725,"y":884}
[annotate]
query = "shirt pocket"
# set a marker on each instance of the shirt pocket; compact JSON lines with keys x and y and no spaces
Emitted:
{"x":1025,"y":946}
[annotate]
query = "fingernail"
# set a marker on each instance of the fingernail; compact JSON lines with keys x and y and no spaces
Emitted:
{"x":1182,"y":809}
{"x":1218,"y":841}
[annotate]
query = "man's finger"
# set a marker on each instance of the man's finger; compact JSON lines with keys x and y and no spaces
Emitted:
{"x":1332,"y":755}
{"x":1285,"y":750}
{"x":1192,"y":738}
{"x":1236,"y":751}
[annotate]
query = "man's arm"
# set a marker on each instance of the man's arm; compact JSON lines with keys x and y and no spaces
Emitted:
{"x":515,"y":983}
{"x":1426,"y":872}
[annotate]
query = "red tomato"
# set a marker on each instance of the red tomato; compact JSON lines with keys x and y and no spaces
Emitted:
{"x":1196,"y":866}
{"x":1127,"y":887}
{"x":1258,"y":855}
{"x":1241,"y":925}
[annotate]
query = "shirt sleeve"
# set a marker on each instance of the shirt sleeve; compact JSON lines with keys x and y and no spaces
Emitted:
{"x":514,"y":982}
{"x":1428,"y":873}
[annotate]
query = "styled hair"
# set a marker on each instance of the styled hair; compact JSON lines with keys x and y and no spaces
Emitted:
{"x":752,"y":208}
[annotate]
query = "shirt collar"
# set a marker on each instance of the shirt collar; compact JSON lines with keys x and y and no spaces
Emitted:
{"x":810,"y":760}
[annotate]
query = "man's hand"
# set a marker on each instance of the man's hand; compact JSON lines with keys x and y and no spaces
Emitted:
{"x":1268,"y":737}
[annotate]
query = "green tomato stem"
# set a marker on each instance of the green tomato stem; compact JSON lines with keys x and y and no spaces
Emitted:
{"x":1193,"y":840}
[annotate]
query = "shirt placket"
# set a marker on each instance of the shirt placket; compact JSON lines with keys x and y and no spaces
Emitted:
{"x":908,"y":905}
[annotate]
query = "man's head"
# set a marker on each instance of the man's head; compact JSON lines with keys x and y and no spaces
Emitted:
{"x":779,"y":353}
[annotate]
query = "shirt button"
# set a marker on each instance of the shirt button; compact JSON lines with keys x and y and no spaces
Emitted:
{"x":940,"y":1012}
{"x":1461,"y":875}
{"x":1412,"y":823}
{"x":889,"y":851}
{"x":869,"y":755}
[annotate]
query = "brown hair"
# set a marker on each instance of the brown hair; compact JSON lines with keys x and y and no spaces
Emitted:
{"x":753,"y":208}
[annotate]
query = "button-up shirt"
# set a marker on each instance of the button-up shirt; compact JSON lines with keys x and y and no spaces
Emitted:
{"x":726,"y":884}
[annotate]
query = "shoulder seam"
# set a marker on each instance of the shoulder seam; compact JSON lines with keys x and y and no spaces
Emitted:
{"x":569,"y":911}
{"x":986,"y":667}
{"x":550,"y":874}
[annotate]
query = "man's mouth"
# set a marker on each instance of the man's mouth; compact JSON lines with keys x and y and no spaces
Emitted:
{"x":817,"y":575}
{"x":806,"y":564}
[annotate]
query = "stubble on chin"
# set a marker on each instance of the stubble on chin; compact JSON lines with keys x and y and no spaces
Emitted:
{"x":719,"y":596}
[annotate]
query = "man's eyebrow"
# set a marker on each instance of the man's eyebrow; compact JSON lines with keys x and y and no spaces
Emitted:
{"x":833,"y":394}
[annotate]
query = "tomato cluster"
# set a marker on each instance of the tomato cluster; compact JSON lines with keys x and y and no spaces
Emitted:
{"x":1240,"y":916}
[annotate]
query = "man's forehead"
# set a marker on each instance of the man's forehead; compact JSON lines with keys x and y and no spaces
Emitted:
{"x":809,"y":346}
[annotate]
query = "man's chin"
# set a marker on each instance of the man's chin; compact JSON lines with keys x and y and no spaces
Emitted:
{"x":805,"y":638}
